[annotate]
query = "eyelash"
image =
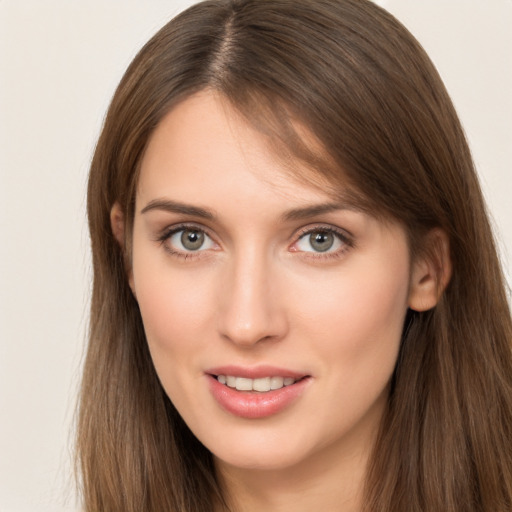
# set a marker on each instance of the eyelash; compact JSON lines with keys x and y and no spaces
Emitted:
{"x":346,"y":240}
{"x":169,"y":232}
{"x":342,"y":236}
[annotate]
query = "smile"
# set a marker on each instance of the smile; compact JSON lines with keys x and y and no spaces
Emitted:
{"x":256,"y":393}
{"x":261,"y":385}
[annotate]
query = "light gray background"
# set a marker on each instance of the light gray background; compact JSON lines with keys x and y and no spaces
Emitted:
{"x":59,"y":64}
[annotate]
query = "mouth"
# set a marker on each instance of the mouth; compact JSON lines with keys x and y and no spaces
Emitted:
{"x":254,"y":393}
{"x":260,"y":385}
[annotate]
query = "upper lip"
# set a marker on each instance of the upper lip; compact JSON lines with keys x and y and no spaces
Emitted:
{"x":255,"y":372}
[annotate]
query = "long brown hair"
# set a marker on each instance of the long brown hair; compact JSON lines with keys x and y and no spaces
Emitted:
{"x":354,"y":76}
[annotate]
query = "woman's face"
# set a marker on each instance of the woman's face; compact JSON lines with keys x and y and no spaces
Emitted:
{"x":273,"y":314}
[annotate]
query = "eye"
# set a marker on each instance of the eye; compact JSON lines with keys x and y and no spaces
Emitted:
{"x":189,"y":240}
{"x":321,"y":241}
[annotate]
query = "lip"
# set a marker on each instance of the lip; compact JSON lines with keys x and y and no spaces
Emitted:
{"x":255,"y":372}
{"x":253,"y":404}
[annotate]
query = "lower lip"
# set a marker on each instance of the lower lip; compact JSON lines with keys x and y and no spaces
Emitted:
{"x":254,"y":404}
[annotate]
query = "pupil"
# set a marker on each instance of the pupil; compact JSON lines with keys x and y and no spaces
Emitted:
{"x":321,"y":241}
{"x":192,"y":240}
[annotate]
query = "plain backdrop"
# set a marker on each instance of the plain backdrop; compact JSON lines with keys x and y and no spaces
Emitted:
{"x":59,"y":64}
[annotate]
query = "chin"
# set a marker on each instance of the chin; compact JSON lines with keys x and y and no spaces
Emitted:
{"x":259,"y":461}
{"x":260,"y":452}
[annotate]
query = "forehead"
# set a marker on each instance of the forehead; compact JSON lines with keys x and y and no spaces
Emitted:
{"x":204,"y":143}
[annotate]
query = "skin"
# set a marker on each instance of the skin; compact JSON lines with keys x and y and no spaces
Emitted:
{"x":258,"y":293}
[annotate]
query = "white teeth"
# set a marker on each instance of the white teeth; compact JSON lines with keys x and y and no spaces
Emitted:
{"x":262,"y":385}
{"x":276,"y":382}
{"x":243,"y":384}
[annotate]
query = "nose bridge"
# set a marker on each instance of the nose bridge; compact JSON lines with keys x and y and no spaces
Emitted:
{"x":250,"y":310}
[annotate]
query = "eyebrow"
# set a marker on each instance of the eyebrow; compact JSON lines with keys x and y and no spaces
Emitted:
{"x":300,"y":213}
{"x":176,"y":207}
{"x":306,"y":212}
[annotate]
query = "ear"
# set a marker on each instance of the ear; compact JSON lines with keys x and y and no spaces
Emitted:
{"x":431,"y":271}
{"x":117,"y":224}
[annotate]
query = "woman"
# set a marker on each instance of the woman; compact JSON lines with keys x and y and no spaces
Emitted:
{"x":297,"y":301}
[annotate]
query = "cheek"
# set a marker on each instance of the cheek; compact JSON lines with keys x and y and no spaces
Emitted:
{"x":354,"y":331}
{"x":358,"y":318}
{"x":175,"y":308}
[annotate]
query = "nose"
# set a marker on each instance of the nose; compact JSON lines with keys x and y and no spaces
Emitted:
{"x":250,"y":306}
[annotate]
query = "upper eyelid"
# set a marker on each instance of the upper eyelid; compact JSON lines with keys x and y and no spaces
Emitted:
{"x":345,"y":238}
{"x":181,"y":226}
{"x":324,"y":227}
{"x":167,"y":233}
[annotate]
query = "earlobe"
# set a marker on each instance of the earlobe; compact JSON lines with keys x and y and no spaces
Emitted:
{"x":117,"y":224}
{"x":431,"y":272}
